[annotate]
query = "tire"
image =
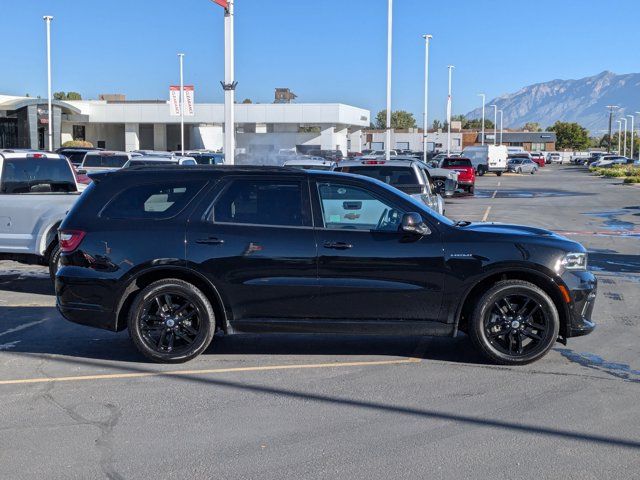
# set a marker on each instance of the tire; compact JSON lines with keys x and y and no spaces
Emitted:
{"x":54,"y":258}
{"x":533,"y":171}
{"x":519,"y":170}
{"x":495,"y":332}
{"x":480,"y":171}
{"x":499,"y":174}
{"x":439,"y":185}
{"x":471,"y":189}
{"x":182,"y":333}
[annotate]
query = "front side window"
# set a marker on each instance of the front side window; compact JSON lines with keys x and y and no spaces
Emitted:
{"x":37,"y":175}
{"x":153,"y":201}
{"x":353,"y":208}
{"x":262,"y":202}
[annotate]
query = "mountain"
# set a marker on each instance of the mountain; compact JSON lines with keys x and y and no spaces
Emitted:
{"x":583,"y":101}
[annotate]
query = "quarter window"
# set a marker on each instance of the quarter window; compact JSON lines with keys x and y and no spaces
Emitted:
{"x":352,"y":208}
{"x":262,"y":202}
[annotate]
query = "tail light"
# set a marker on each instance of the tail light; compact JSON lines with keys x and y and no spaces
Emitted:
{"x":69,"y":240}
{"x":373,"y":162}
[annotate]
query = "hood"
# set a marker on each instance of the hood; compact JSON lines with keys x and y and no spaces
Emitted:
{"x":522,"y":232}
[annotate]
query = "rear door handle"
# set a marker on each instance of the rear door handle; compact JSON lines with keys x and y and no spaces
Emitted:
{"x":338,"y":245}
{"x":210,"y":241}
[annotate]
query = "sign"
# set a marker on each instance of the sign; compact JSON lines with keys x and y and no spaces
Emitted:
{"x":174,"y":100}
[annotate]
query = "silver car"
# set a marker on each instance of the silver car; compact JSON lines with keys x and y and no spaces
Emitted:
{"x":522,"y":165}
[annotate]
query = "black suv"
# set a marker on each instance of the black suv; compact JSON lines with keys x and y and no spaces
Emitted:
{"x":175,"y":254}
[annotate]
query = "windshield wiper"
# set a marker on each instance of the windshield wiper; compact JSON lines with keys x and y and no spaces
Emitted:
{"x":462,"y":223}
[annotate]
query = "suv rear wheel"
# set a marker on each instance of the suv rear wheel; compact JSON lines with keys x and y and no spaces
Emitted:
{"x":171,"y":321}
{"x":514,"y":323}
{"x":54,"y":260}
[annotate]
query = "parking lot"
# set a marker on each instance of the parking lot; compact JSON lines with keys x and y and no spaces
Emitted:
{"x":82,"y":403}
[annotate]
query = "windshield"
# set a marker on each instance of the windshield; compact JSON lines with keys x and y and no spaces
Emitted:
{"x":388,"y":174}
{"x":104,"y":161}
{"x":134,"y":163}
{"x":456,"y":162}
{"x":37,"y":175}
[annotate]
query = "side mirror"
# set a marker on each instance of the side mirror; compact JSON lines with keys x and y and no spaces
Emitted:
{"x":81,"y":172}
{"x":412,"y":223}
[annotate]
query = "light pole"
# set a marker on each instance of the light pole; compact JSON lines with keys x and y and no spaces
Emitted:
{"x":181,"y":57}
{"x":619,"y":134}
{"x":632,"y":117}
{"x":501,"y":113}
{"x":482,"y":132}
{"x":495,"y":123}
{"x":637,"y":113}
{"x":611,"y":109}
{"x":624,"y":145}
{"x":47,"y":19}
{"x":450,"y":67}
{"x":425,"y":119}
{"x":387,"y":143}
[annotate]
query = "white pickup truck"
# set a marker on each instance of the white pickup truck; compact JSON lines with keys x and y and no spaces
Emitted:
{"x":37,"y":189}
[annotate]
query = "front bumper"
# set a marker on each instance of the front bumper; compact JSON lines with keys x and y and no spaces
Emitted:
{"x":582,"y":288}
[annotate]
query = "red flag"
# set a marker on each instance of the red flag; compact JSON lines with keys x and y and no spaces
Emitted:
{"x":222,"y":3}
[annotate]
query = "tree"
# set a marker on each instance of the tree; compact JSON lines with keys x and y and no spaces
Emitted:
{"x":247,"y":100}
{"x":532,"y":127}
{"x":476,"y":124}
{"x":399,"y":119}
{"x":67,"y":96}
{"x":436,"y":125}
{"x":570,"y":135}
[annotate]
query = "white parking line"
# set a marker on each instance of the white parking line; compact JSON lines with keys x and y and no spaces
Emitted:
{"x":22,"y":327}
{"x":486,"y":214}
{"x":494,"y":194}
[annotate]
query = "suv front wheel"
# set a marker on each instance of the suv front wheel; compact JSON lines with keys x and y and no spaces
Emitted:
{"x":171,"y":321}
{"x":514,"y":323}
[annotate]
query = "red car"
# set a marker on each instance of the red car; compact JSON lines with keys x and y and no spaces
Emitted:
{"x":539,"y":158}
{"x":466,"y":172}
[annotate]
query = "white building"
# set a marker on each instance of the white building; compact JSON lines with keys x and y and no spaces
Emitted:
{"x":133,"y":125}
{"x":411,"y":139}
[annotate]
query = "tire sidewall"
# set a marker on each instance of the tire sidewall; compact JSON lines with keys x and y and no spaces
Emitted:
{"x":194,"y":295}
{"x":54,"y":258}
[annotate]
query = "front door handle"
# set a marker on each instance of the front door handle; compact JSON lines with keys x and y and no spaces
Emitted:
{"x":210,"y":241}
{"x":338,"y":245}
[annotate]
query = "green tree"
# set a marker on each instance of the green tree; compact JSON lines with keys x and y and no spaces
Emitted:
{"x":247,"y":100}
{"x":436,"y":125}
{"x":399,"y":119}
{"x":570,"y":135}
{"x":476,"y":124}
{"x":67,"y":96}
{"x":532,"y":127}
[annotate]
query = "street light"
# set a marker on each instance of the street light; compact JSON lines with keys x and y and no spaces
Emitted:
{"x":611,"y":109}
{"x":483,"y":101}
{"x":47,"y":19}
{"x":181,"y":57}
{"x":619,"y":134}
{"x":450,"y":67}
{"x":387,"y":143}
{"x":425,"y":118}
{"x":632,"y":117}
{"x":624,"y":148}
{"x":495,"y":123}
{"x":501,"y":113}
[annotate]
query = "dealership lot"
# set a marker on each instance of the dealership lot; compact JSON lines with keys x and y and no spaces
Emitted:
{"x":340,"y":406}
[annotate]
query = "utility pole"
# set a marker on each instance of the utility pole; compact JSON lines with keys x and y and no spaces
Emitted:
{"x":47,"y":19}
{"x":425,"y":119}
{"x":495,"y":123}
{"x":182,"y":102}
{"x":624,"y":148}
{"x":387,"y":143}
{"x":501,"y":113}
{"x":611,"y":109}
{"x":619,"y":134}
{"x":450,"y":67}
{"x":482,"y":131}
{"x":632,"y":117}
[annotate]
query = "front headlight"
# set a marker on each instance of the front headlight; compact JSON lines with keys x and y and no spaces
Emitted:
{"x":572,"y":261}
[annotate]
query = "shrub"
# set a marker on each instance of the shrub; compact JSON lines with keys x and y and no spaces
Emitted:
{"x":635,"y":179}
{"x":614,"y":172}
{"x":78,"y":143}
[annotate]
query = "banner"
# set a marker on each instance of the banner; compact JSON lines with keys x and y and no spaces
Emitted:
{"x":222,"y":3}
{"x":174,"y":100}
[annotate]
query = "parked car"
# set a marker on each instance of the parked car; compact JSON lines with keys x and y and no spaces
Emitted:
{"x":206,"y":157}
{"x":611,"y":160}
{"x":37,"y":189}
{"x":147,"y":160}
{"x":104,"y":160}
{"x":554,"y":157}
{"x":311,"y":163}
{"x":410,"y":177}
{"x":538,"y":158}
{"x":594,"y":157}
{"x":487,"y":158}
{"x":76,"y":154}
{"x":331,"y":155}
{"x":466,"y":172}
{"x":154,"y":153}
{"x":273,"y":249}
{"x":522,"y":165}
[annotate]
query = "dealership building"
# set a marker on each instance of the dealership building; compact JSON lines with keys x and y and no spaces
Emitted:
{"x":148,"y":125}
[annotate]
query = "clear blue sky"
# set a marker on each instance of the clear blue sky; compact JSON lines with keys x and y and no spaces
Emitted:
{"x":324,"y":50}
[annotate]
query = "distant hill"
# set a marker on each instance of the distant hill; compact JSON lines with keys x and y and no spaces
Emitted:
{"x":583,"y":101}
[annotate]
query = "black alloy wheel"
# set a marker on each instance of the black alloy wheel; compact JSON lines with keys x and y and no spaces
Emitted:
{"x":439,"y":185}
{"x":515,"y":322}
{"x":171,"y":321}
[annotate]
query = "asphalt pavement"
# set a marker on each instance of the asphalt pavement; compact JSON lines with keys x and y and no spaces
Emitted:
{"x":81,"y":403}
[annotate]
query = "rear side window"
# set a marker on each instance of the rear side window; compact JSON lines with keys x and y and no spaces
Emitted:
{"x":105,"y":161}
{"x":262,"y":202}
{"x":152,"y":201}
{"x":456,"y":162}
{"x":37,"y":175}
{"x":389,"y":175}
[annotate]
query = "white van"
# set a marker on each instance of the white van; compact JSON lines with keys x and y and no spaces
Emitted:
{"x":487,"y":158}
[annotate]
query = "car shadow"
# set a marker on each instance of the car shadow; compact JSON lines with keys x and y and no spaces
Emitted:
{"x":56,"y":336}
{"x":19,"y":282}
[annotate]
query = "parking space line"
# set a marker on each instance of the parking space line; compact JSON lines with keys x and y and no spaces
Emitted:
{"x":486,"y":214}
{"x":494,"y":194}
{"x":117,"y":376}
{"x":21,"y":327}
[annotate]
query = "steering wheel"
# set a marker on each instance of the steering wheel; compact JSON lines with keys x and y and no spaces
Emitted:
{"x":388,"y":217}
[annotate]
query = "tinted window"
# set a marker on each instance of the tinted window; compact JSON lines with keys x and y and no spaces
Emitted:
{"x":354,"y":208}
{"x":153,"y":201}
{"x":261,"y":202}
{"x":75,"y":157}
{"x":136,"y":163}
{"x":105,"y":161}
{"x":207,"y":159}
{"x":37,"y":175}
{"x":387,"y":174}
{"x":456,"y":162}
